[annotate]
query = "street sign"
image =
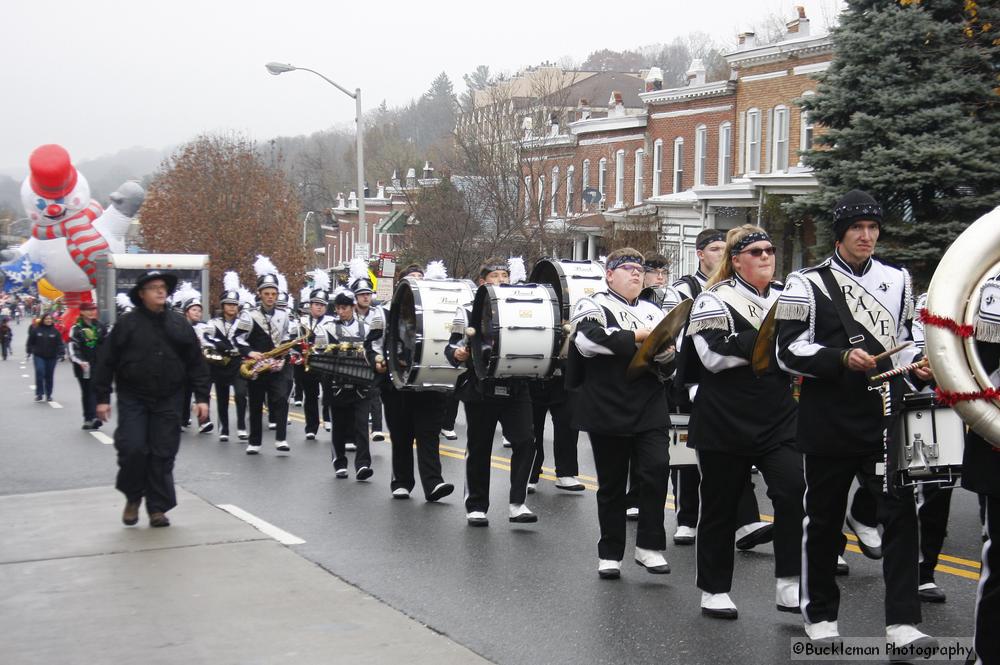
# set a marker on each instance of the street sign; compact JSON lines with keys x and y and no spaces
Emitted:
{"x":361,"y":250}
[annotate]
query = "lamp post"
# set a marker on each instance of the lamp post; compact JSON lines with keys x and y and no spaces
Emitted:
{"x":305,"y":224}
{"x":276,"y":68}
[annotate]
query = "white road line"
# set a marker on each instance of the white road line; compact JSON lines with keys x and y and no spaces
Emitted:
{"x":266,"y":528}
{"x":103,"y":438}
{"x":25,"y":376}
{"x":55,"y":405}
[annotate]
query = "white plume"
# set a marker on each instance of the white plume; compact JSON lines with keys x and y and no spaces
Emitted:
{"x":321,"y":279}
{"x":230,"y":281}
{"x":178,"y":295}
{"x":603,"y":260}
{"x":246,"y":296}
{"x":123,"y":301}
{"x":263,"y":266}
{"x":359,"y":269}
{"x":345,"y":291}
{"x":282,"y":283}
{"x":304,"y":294}
{"x":436,"y":270}
{"x":517,"y":272}
{"x":186,"y":292}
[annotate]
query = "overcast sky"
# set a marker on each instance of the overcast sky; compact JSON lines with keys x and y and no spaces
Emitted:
{"x":102,"y":75}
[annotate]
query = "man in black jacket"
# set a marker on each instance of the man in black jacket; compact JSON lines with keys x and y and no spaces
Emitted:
{"x":150,"y":354}
{"x":85,"y":339}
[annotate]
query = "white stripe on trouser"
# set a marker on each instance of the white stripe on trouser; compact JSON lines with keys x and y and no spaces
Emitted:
{"x":921,"y":500}
{"x":804,"y":574}
{"x":984,"y":575}
{"x":697,"y":540}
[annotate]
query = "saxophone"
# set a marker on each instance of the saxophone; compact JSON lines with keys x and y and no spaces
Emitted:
{"x":269,"y":361}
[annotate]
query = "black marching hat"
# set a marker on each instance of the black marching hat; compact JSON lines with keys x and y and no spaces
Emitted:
{"x":854,"y":206}
{"x":230,"y":298}
{"x":319,"y":296}
{"x":169,"y":279}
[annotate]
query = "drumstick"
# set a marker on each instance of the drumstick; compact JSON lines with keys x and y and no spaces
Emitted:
{"x":899,"y":370}
{"x":893,"y":351}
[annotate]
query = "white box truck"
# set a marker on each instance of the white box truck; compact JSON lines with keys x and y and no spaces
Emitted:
{"x":117,"y":274}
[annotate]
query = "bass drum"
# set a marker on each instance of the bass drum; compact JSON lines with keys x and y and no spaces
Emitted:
{"x":421,"y":320}
{"x":517,"y":331}
{"x":570,"y":279}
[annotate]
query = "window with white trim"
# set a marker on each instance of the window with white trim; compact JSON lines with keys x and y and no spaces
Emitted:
{"x":779,"y":142}
{"x":637,"y":184}
{"x":553,"y":206}
{"x":620,"y":179}
{"x":725,"y":153}
{"x":700,"y":154}
{"x":527,"y":196}
{"x":807,"y":130}
{"x":752,"y":162}
{"x":585,"y":183}
{"x":657,"y":166}
{"x":602,"y":175}
{"x":541,"y":197}
{"x":569,"y":190}
{"x":678,"y":164}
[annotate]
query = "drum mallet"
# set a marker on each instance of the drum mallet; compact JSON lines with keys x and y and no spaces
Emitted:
{"x":899,"y":370}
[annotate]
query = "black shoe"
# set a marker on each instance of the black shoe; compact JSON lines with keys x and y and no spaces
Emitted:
{"x":721,"y":613}
{"x":96,"y":424}
{"x":87,"y":425}
{"x":765,"y":534}
{"x":364,"y":473}
{"x":932,"y":594}
{"x":39,"y":398}
{"x":441,"y":491}
{"x":843,"y":569}
{"x":48,"y":398}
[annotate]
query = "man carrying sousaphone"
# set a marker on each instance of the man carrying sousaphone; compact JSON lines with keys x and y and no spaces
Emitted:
{"x":622,"y":416}
{"x":832,"y":321}
{"x":258,"y":331}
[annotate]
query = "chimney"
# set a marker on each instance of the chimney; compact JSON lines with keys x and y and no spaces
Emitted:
{"x":696,"y":73}
{"x":616,"y":105}
{"x":798,"y":26}
{"x":584,"y":109}
{"x":654,"y":79}
{"x":428,"y":170}
{"x":381,"y":189}
{"x":352,"y":200}
{"x":395,"y":179}
{"x":367,"y":192}
{"x":553,"y":124}
{"x":411,"y":178}
{"x":747,"y":41}
{"x":340,"y":200}
{"x":528,"y":126}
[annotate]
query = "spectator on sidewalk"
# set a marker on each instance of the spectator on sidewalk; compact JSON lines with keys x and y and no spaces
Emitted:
{"x":84,"y":340}
{"x":46,"y":345}
{"x":6,"y":337}
{"x":151,"y":353}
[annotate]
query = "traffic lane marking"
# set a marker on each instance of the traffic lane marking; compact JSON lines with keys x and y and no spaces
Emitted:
{"x":264,"y":527}
{"x":103,"y":438}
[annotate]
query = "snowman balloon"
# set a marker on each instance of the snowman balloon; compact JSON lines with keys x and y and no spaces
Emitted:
{"x":69,"y":231}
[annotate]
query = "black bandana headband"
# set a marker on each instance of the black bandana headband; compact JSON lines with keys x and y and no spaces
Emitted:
{"x":619,"y":261}
{"x":748,"y":240}
{"x":493,"y":267}
{"x":710,"y":239}
{"x":654,"y":265}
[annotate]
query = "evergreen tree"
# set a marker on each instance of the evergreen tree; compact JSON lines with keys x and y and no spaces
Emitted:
{"x":910,"y":113}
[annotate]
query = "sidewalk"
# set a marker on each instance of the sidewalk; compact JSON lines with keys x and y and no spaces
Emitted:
{"x":78,"y":587}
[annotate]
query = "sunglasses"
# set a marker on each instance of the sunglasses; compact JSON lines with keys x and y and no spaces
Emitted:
{"x":757,"y":252}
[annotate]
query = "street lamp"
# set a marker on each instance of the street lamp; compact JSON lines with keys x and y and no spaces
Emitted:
{"x":276,"y":68}
{"x":305,"y":223}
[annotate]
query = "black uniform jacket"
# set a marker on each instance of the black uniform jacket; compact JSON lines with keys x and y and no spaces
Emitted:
{"x":151,"y":355}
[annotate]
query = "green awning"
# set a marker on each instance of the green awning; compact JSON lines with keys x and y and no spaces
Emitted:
{"x":394,"y":223}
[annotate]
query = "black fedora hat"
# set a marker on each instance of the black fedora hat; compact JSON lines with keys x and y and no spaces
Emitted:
{"x":169,"y":279}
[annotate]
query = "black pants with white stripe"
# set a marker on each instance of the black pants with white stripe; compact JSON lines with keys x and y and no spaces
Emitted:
{"x":273,"y":388}
{"x":828,"y":483}
{"x":651,"y":452}
{"x":685,"y":480}
{"x":988,"y":592}
{"x":933,"y":507}
{"x":349,"y":411}
{"x":564,"y":439}
{"x":414,"y":415}
{"x":724,"y":477}
{"x":514,"y":416}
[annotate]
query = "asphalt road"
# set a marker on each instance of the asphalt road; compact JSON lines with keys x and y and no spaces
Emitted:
{"x":515,"y":594}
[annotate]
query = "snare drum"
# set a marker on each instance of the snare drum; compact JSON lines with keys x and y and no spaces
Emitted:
{"x":931,"y":444}
{"x":517,"y":331}
{"x":680,"y":454}
{"x":570,"y":279}
{"x":420,"y":324}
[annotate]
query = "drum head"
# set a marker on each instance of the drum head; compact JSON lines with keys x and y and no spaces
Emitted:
{"x":401,"y":344}
{"x":486,"y":322}
{"x":548,"y":271}
{"x":587,"y":277}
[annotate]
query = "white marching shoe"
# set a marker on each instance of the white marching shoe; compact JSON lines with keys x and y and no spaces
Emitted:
{"x":684,"y":535}
{"x":569,"y":483}
{"x":378,"y":436}
{"x":449,"y":434}
{"x":751,"y":535}
{"x":532,"y":488}
{"x":652,"y":560}
{"x":786,"y":594}
{"x":400,"y":493}
{"x":242,"y":434}
{"x":521,"y":514}
{"x":310,"y":436}
{"x":822,"y":631}
{"x":477,"y":518}
{"x":632,"y":514}
{"x":327,"y":426}
{"x":906,"y":636}
{"x":869,"y":539}
{"x":281,"y":446}
{"x":350,"y":447}
{"x":718,"y":606}
{"x":252,"y":449}
{"x":609,"y":569}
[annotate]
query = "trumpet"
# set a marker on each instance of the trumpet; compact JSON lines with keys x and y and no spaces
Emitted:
{"x":269,"y":361}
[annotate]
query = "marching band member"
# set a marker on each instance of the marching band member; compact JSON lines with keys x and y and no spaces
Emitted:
{"x":710,"y":247}
{"x":361,"y":285}
{"x":256,"y":332}
{"x":981,"y":474}
{"x":832,"y":318}
{"x":349,"y":404}
{"x":412,"y":415}
{"x":188,"y":301}
{"x":219,"y":335}
{"x":317,"y":318}
{"x":487,"y":403}
{"x":740,"y":420}
{"x":622,"y":416}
